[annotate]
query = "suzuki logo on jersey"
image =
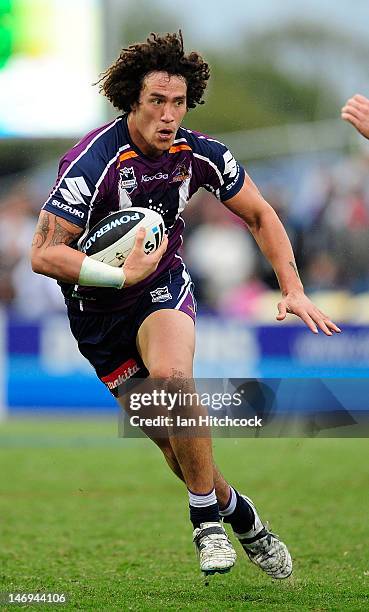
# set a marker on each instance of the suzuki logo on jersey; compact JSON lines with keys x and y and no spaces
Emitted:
{"x":230,"y":164}
{"x":77,"y":188}
{"x":127,"y":179}
{"x":68,"y":209}
{"x":233,"y":182}
{"x":156,"y":177}
{"x":161,"y":294}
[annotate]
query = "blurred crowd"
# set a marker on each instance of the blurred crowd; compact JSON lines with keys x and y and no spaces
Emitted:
{"x":326,"y":214}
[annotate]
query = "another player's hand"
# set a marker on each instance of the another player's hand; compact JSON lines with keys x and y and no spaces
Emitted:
{"x":299,"y":304}
{"x":356,"y":112}
{"x":138,"y":265}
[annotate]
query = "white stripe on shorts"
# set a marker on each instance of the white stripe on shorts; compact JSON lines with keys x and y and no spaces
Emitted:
{"x":184,"y":289}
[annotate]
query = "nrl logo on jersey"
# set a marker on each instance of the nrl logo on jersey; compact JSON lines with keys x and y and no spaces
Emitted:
{"x":127,"y":179}
{"x":180,"y":174}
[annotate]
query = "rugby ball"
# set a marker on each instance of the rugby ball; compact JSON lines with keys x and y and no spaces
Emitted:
{"x":112,"y":239}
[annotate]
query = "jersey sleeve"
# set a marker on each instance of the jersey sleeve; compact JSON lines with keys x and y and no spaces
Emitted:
{"x":224,"y":176}
{"x":74,"y":191}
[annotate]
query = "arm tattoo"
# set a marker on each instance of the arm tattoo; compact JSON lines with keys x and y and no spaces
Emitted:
{"x":61,"y":235}
{"x":41,"y":232}
{"x":51,"y":234}
{"x":293,"y":265}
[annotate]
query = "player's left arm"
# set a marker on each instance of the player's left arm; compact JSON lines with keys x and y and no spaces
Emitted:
{"x":274,"y":243}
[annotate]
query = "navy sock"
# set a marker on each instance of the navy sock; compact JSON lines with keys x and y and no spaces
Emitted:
{"x":206,"y":514}
{"x":203,"y":507}
{"x":242,"y":518}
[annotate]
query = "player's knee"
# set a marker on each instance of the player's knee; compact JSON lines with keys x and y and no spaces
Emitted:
{"x":169,"y":373}
{"x":172,"y":380}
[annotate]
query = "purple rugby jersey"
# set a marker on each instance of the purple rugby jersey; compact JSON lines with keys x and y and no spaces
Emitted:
{"x":105,"y":172}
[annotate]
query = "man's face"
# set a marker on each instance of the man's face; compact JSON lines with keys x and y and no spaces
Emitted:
{"x":155,"y":119}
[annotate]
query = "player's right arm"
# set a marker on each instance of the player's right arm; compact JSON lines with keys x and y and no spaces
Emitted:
{"x":356,"y":112}
{"x":52,"y":256}
{"x":50,"y":253}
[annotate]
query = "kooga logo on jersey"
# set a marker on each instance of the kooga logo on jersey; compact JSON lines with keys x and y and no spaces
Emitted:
{"x":109,"y":226}
{"x":155,"y":177}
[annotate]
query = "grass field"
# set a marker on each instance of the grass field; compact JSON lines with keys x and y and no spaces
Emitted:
{"x":103,"y":520}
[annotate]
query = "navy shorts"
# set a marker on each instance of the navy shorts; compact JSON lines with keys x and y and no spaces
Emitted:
{"x":108,"y":340}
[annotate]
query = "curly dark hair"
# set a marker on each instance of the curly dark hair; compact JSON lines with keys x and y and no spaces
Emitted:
{"x":122,"y":82}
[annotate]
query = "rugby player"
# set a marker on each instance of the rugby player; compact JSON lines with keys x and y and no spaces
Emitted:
{"x":356,"y":112}
{"x":138,"y":320}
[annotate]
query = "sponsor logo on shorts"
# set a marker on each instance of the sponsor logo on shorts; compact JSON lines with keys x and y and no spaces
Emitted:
{"x":155,"y":177}
{"x":127,"y":179}
{"x":72,"y":211}
{"x":121,"y":374}
{"x":161,"y":294}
